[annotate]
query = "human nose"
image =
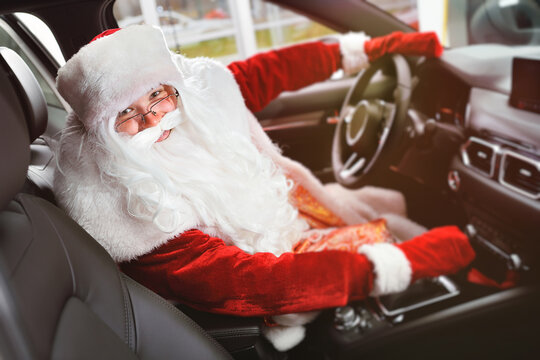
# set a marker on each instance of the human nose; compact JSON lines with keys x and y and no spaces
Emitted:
{"x":151,"y":119}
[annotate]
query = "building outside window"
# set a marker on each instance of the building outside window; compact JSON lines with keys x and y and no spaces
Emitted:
{"x":226,"y":30}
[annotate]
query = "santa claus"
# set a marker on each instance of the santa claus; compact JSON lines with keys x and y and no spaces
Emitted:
{"x":164,"y":165}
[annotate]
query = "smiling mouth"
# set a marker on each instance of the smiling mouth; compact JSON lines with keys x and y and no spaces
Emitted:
{"x":164,"y":135}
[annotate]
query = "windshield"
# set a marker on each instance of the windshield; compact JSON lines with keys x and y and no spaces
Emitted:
{"x":462,"y":22}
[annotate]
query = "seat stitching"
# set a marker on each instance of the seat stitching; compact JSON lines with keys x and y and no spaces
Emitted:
{"x":129,"y":319}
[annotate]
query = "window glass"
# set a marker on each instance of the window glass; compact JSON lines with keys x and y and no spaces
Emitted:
{"x":404,"y":10}
{"x":43,"y":34}
{"x":56,"y":107}
{"x":192,"y":27}
{"x":276,"y":26}
{"x":461,"y":23}
{"x":225,"y":30}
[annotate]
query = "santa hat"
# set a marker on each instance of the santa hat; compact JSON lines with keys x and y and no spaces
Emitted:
{"x":114,"y":70}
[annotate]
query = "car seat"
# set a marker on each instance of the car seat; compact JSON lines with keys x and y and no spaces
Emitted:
{"x":61,"y":295}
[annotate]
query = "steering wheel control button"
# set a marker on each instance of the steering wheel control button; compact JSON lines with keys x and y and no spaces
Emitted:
{"x":454,"y":181}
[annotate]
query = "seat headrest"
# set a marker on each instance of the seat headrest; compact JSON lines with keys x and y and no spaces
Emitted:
{"x":22,"y":110}
{"x":29,"y":92}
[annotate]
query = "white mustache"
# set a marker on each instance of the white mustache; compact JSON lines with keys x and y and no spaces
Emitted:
{"x":146,"y":138}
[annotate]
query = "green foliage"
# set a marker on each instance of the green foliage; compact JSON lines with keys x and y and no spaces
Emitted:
{"x":214,"y":48}
{"x":266,"y":39}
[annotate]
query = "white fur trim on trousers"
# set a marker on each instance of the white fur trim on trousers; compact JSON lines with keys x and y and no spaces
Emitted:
{"x":285,"y":337}
{"x":290,"y":331}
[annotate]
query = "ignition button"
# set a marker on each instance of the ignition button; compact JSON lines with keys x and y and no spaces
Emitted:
{"x":454,"y":180}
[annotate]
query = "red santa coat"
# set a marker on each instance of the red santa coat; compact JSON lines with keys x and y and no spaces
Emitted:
{"x":203,"y":272}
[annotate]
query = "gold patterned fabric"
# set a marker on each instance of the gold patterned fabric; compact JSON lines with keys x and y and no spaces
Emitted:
{"x":348,"y":238}
{"x":311,"y":210}
{"x":329,"y":232}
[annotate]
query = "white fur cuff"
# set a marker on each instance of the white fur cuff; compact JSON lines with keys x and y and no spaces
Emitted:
{"x":392,"y":269}
{"x":353,"y":53}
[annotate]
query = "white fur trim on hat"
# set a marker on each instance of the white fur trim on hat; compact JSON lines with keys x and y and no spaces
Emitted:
{"x":392,"y":269}
{"x":109,"y":73}
{"x":352,"y":51}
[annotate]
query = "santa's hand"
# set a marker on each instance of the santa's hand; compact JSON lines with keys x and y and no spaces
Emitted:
{"x":440,"y":251}
{"x":358,"y":50}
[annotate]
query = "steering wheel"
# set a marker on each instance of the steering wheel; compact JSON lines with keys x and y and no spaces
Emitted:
{"x":371,"y":121}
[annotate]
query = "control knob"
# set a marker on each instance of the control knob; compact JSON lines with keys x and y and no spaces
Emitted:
{"x":346,"y":318}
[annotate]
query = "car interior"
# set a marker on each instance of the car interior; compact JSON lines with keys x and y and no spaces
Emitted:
{"x":460,"y":138}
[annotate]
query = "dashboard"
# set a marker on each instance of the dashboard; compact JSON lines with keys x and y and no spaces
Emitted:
{"x":494,"y":171}
{"x":464,"y":140}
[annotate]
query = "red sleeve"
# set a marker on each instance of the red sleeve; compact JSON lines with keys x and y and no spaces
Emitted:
{"x":264,"y":76}
{"x":444,"y":250}
{"x":416,"y":44}
{"x":204,"y":273}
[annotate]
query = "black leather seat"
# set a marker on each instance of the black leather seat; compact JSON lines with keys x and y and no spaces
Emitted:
{"x":61,"y":295}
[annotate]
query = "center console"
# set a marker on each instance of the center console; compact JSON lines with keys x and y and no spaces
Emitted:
{"x":439,"y":318}
{"x":489,"y":310}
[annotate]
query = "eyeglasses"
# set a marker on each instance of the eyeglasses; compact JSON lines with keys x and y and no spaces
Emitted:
{"x":159,"y":104}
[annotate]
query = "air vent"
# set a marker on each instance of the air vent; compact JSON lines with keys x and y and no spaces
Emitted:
{"x":480,"y":155}
{"x":520,"y":173}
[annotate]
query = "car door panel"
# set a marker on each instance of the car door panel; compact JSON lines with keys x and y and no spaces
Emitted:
{"x":300,"y":123}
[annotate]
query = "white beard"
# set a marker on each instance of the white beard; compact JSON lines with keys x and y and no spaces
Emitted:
{"x":204,"y":173}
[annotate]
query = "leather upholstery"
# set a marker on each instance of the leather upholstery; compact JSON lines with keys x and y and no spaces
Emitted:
{"x":14,"y":139}
{"x":63,"y":296}
{"x":28,"y":91}
{"x":73,"y":301}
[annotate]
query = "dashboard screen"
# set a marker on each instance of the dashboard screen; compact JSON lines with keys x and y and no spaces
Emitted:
{"x":526,"y":84}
